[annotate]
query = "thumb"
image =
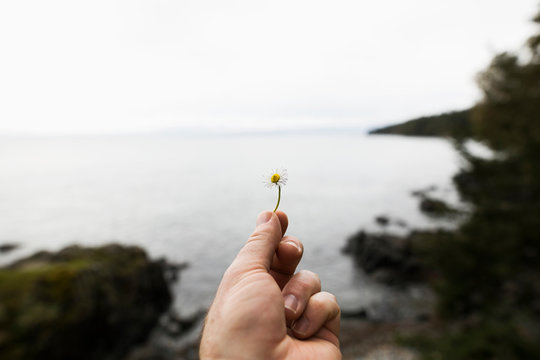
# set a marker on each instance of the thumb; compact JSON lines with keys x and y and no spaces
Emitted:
{"x":261,"y":245}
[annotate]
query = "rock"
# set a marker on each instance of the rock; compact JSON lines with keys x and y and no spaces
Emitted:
{"x":436,"y":208}
{"x":80,"y":303}
{"x":174,"y":325}
{"x":391,"y":352}
{"x":388,"y":258}
{"x":382,"y":220}
{"x":386,"y":222}
{"x":424,"y":192}
{"x":8,"y":247}
{"x":171,"y":271}
{"x":433,"y":207}
{"x":401,"y":223}
{"x":354,"y":314}
{"x":365,"y":339}
{"x":176,"y":338}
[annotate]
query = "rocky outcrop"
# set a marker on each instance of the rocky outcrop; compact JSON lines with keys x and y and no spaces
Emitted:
{"x":388,"y":258}
{"x":5,"y":248}
{"x":436,"y":208}
{"x":80,"y":303}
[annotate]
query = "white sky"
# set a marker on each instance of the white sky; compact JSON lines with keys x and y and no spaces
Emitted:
{"x":107,"y":65}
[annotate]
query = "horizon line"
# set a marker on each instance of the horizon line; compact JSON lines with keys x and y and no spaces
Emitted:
{"x":194,"y":131}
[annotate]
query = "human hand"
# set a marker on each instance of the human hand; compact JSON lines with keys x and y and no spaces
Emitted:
{"x":262,"y":310}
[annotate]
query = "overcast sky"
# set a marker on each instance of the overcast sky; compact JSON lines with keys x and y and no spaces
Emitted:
{"x":108,"y":65}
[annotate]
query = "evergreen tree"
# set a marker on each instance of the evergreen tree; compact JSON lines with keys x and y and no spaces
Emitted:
{"x":488,"y":270}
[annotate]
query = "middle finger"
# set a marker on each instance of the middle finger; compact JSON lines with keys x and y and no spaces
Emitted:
{"x":286,"y":259}
{"x":297,"y":292}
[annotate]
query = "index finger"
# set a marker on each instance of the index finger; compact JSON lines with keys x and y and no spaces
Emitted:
{"x":283,"y":220}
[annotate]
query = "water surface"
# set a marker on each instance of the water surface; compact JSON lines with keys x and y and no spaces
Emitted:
{"x":195,"y":199}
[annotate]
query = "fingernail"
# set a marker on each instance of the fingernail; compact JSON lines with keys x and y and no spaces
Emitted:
{"x":290,"y":242}
{"x":291,"y":303}
{"x":264,"y":217}
{"x":301,"y":326}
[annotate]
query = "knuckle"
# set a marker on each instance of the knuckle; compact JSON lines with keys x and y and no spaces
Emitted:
{"x":329,"y":302}
{"x":257,"y":235}
{"x":310,"y":277}
{"x":318,"y":305}
{"x":331,"y":297}
{"x":293,"y":239}
{"x":304,"y":284}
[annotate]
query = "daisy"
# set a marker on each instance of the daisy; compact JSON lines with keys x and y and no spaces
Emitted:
{"x":277,"y":177}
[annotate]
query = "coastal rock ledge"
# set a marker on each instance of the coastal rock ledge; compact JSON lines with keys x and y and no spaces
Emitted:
{"x":80,"y":303}
{"x":388,"y":258}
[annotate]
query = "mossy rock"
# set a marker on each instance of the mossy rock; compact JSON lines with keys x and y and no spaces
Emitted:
{"x":80,"y":303}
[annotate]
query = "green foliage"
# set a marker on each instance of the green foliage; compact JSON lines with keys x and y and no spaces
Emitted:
{"x":491,"y":338}
{"x":79,"y":303}
{"x":488,"y":270}
{"x":455,"y":124}
{"x":508,"y":117}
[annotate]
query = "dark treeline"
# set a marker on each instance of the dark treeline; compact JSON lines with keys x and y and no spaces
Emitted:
{"x":486,"y":273}
{"x":455,"y":124}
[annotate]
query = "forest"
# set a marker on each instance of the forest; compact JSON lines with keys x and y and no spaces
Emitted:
{"x":486,"y":272}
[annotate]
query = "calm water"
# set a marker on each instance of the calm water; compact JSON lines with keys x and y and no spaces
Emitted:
{"x":196,"y":199}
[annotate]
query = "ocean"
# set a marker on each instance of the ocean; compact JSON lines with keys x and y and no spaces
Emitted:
{"x":195,"y":198}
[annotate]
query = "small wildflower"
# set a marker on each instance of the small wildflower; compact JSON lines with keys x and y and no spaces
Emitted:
{"x":277,"y":177}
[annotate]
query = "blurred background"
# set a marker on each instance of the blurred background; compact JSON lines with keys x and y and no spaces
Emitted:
{"x":134,"y":136}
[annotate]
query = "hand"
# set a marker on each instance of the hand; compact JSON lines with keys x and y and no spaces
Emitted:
{"x":262,"y":310}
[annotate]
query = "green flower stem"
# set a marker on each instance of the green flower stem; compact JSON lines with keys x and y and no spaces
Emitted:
{"x":278,"y":198}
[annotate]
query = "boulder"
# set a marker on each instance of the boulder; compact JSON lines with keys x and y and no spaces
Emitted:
{"x":437,"y":208}
{"x":8,"y":247}
{"x":389,"y":258}
{"x":80,"y":303}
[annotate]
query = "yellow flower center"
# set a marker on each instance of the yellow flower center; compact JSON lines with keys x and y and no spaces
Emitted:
{"x":274,"y":178}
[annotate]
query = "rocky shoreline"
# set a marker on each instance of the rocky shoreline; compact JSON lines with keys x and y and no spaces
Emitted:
{"x":387,"y":258}
{"x":82,"y":303}
{"x":114,"y":302}
{"x":392,"y":260}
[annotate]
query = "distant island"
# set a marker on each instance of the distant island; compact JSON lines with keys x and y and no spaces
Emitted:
{"x":456,"y":124}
